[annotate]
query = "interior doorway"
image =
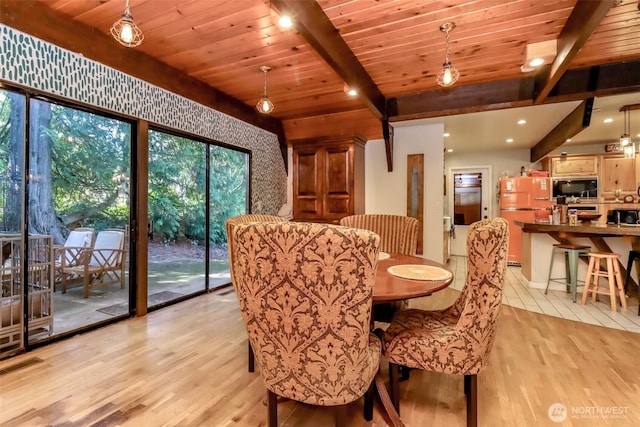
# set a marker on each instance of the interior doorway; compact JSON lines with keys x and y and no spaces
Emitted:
{"x":468,"y":201}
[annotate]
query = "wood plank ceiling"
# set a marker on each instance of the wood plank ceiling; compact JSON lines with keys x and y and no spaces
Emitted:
{"x":211,"y":51}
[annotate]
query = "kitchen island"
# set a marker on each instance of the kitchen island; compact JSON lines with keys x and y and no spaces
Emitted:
{"x":538,"y":240}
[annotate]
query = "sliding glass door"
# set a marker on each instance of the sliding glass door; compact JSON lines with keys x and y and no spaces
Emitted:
{"x":194,"y":186}
{"x":71,"y":271}
{"x":229,"y":196}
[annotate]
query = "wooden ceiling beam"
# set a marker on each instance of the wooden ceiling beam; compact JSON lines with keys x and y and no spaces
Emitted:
{"x":316,"y":28}
{"x":575,"y":85}
{"x":462,"y":99}
{"x":582,"y":22}
{"x":578,"y":120}
{"x":58,"y":29}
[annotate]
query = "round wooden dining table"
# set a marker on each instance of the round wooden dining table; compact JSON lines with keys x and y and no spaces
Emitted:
{"x":392,"y":287}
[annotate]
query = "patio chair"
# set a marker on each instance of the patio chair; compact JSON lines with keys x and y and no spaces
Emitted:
{"x":69,"y":254}
{"x":102,"y":265}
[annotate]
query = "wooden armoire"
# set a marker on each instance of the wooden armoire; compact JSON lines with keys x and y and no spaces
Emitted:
{"x":328,"y":178}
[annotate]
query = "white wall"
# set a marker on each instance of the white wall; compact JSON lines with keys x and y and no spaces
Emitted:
{"x":386,"y":192}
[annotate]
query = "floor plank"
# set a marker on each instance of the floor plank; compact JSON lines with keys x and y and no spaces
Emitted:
{"x":186,"y":365}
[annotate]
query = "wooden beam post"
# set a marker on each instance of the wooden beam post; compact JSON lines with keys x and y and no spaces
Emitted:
{"x":575,"y":122}
{"x":582,"y":22}
{"x":387,"y":133}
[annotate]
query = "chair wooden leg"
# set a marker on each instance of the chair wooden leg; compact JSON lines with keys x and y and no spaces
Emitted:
{"x":340,"y":413}
{"x":612,"y":285}
{"x":467,"y":380}
{"x":471,"y":389}
{"x":618,"y":278}
{"x":272,"y":408}
{"x":394,"y":386}
{"x":404,"y":373}
{"x":368,"y":402}
{"x":85,"y":284}
{"x":251,"y":358}
{"x":588,"y":279}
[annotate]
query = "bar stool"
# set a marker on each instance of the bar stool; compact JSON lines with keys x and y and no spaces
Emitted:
{"x":594,"y":272}
{"x":633,"y":256}
{"x":571,"y":257}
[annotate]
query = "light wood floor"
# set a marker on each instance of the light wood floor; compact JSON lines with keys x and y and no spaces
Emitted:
{"x":185,"y":365}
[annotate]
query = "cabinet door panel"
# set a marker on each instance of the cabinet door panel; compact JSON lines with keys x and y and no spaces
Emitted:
{"x":337,"y":206}
{"x":338,"y":168}
{"x":574,"y":166}
{"x":309,"y":207}
{"x":307,"y":173}
{"x":618,"y":173}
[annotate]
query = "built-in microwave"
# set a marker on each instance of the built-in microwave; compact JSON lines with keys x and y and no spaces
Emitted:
{"x":584,"y":187}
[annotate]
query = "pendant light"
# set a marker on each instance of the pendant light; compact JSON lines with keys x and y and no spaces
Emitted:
{"x":125,"y":31}
{"x":449,"y":74}
{"x":265,"y":106}
{"x":628,"y":147}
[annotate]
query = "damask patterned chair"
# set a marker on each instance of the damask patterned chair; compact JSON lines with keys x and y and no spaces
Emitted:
{"x":305,"y":292}
{"x":456,"y":340}
{"x":398,"y":234}
{"x":229,"y":224}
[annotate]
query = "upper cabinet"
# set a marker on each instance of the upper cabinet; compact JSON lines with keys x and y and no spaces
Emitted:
{"x":617,"y":173}
{"x":614,"y":172}
{"x":574,"y":166}
{"x":328,"y":179}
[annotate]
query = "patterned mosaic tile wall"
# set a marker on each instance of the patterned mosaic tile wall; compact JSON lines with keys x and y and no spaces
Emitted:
{"x":31,"y":62}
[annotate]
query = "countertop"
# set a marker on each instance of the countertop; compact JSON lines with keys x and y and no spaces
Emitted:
{"x":586,"y":229}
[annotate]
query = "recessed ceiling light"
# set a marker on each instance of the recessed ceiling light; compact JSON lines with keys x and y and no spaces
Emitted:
{"x":522,"y":121}
{"x":567,"y":140}
{"x":285,"y":22}
{"x":450,"y":150}
{"x":536,"y":62}
{"x":446,"y":134}
{"x":509,"y":141}
{"x":351,"y":91}
{"x":608,"y":120}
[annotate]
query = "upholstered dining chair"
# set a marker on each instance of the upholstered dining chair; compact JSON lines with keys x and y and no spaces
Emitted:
{"x":398,"y":234}
{"x":305,"y":292}
{"x":229,"y":224}
{"x":456,"y":340}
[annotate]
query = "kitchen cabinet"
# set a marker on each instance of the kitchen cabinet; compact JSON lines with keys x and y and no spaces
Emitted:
{"x":574,"y":166}
{"x":616,"y":172}
{"x":328,"y":178}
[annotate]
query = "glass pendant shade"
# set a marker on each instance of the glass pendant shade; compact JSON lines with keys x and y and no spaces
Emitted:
{"x":625,"y":140}
{"x":629,"y":151}
{"x":125,"y":31}
{"x":265,"y":106}
{"x":448,"y":75}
